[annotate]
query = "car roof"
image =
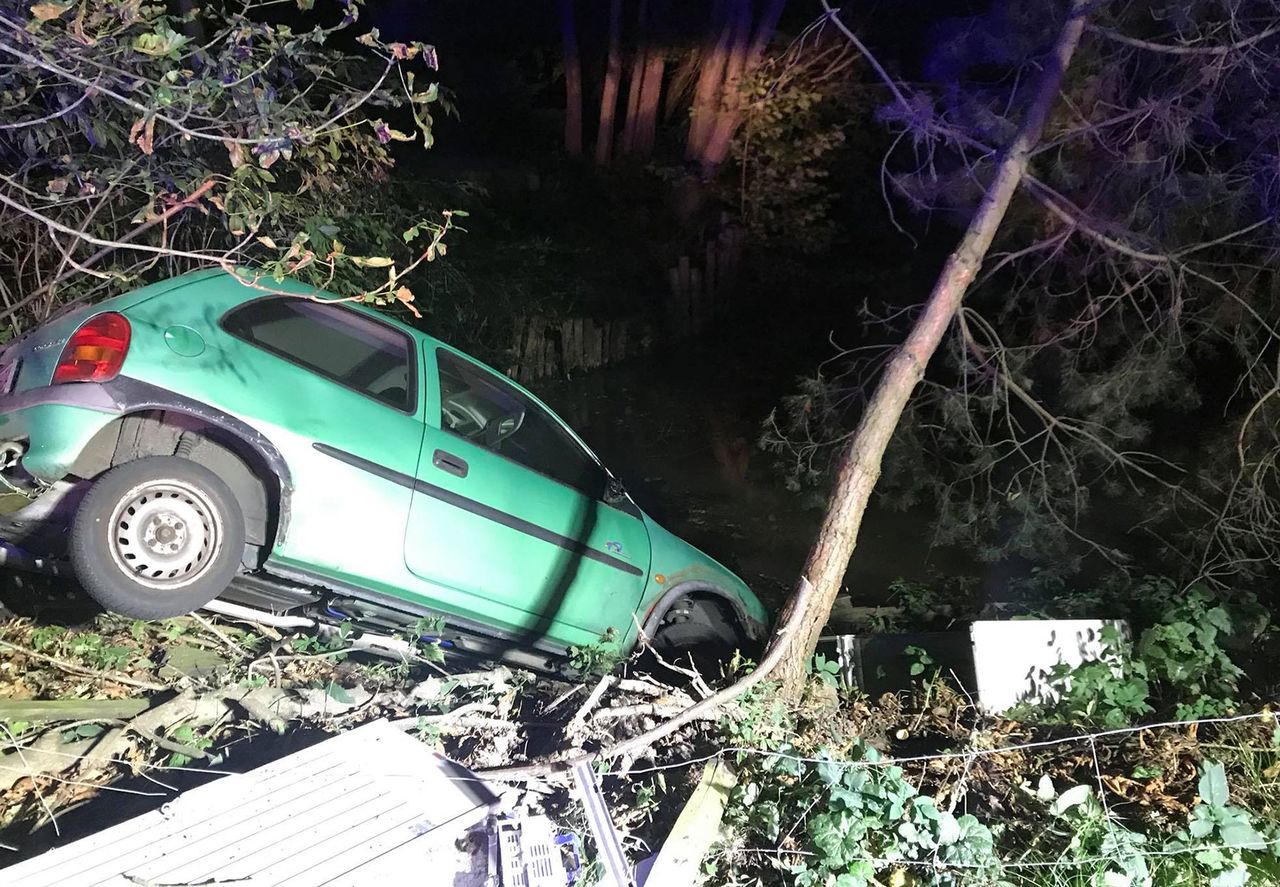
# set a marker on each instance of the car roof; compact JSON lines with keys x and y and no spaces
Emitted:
{"x":290,"y":287}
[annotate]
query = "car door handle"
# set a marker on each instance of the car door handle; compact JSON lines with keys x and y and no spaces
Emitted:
{"x":450,"y":463}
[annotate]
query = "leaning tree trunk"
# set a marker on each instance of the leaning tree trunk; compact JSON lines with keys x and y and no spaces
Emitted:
{"x":572,"y":81}
{"x":743,"y":62}
{"x":859,"y":465}
{"x":609,"y":95}
{"x":646,"y":125}
{"x":711,"y":64}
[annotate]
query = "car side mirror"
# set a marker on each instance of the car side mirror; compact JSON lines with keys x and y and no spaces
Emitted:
{"x":614,"y":491}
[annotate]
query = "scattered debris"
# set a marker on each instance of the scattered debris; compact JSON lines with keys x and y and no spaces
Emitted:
{"x":697,"y":828}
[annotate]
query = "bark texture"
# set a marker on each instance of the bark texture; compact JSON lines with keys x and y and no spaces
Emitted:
{"x":572,"y":80}
{"x":859,"y":465}
{"x":609,"y":94}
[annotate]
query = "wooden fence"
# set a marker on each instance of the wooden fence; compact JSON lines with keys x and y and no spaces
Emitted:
{"x":700,"y":292}
{"x":544,"y":347}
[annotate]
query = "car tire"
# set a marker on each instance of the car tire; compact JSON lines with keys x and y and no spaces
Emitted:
{"x":703,"y":631}
{"x":156,"y":537}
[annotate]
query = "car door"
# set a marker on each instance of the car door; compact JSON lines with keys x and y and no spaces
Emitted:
{"x":338,"y":391}
{"x":510,"y":514}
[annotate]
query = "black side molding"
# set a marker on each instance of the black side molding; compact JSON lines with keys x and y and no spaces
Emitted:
{"x":488,"y":512}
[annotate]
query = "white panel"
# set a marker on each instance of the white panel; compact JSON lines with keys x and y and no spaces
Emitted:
{"x":1012,"y":658}
{"x":312,"y":818}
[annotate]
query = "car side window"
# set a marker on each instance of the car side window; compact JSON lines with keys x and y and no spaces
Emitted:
{"x":355,"y":351}
{"x":477,"y":405}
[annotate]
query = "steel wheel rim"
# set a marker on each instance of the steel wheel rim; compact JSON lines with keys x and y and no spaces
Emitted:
{"x":165,"y":534}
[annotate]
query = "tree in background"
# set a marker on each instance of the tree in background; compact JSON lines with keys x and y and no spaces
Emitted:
{"x":805,"y":108}
{"x":572,"y":80}
{"x":129,"y":151}
{"x":1134,"y":267}
{"x":857,"y":468}
{"x":715,"y":71}
{"x":609,"y":93}
{"x":1120,"y":352}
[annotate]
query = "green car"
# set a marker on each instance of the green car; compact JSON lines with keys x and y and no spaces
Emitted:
{"x":203,"y":437}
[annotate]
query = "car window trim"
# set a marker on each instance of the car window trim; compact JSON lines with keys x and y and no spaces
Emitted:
{"x":413,"y":395}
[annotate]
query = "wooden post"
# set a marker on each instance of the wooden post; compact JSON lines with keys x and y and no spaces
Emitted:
{"x":566,"y":347}
{"x":532,"y":350}
{"x":620,"y":340}
{"x":697,"y":301}
{"x":517,"y":346}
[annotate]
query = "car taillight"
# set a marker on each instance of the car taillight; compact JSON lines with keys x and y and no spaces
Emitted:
{"x":95,"y":352}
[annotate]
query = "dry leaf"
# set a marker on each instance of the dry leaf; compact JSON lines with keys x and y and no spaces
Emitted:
{"x":48,"y":11}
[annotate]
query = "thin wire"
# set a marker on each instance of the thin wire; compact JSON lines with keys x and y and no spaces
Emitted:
{"x":1068,"y":863}
{"x":975,"y":752}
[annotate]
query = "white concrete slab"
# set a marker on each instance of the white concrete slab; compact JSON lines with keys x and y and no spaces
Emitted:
{"x":1011,"y":658}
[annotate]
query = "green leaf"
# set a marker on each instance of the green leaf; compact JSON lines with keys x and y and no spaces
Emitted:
{"x":1237,"y":876}
{"x":949,"y":830}
{"x":338,"y":693}
{"x":1213,"y":784}
{"x":859,"y":874}
{"x":1242,"y":835}
{"x":1200,"y":828}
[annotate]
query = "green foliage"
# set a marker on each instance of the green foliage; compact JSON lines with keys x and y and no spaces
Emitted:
{"x":920,"y":660}
{"x":759,"y":719}
{"x":1221,"y":846}
{"x":1184,"y":654}
{"x":598,"y":659}
{"x":1090,"y":843}
{"x":826,"y":670}
{"x":187,"y":736}
{"x":45,"y":637}
{"x":1111,"y":691}
{"x":229,"y":149}
{"x":325,"y":642}
{"x":94,"y":651}
{"x":801,"y":109}
{"x":856,"y":818}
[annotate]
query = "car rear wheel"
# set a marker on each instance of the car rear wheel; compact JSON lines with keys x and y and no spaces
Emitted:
{"x":156,"y":537}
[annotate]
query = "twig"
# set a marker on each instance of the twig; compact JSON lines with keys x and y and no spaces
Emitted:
{"x":694,"y":676}
{"x":594,"y":697}
{"x":555,"y":703}
{"x":35,"y":784}
{"x":168,"y":744}
{"x":1183,"y":49}
{"x":222,"y":636}
{"x":83,"y":671}
{"x":773,"y":657}
{"x":651,"y":709}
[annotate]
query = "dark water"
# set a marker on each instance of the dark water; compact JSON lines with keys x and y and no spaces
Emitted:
{"x":680,"y":429}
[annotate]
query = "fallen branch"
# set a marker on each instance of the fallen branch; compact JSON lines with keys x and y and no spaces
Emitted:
{"x":559,"y":700}
{"x":793,"y":618}
{"x":592,"y":700}
{"x":82,"y":671}
{"x":640,"y":709}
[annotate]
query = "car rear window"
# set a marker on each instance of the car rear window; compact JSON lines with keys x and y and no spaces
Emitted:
{"x":350,"y":348}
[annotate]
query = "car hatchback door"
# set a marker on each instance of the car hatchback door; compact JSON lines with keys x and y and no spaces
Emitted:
{"x":510,"y":514}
